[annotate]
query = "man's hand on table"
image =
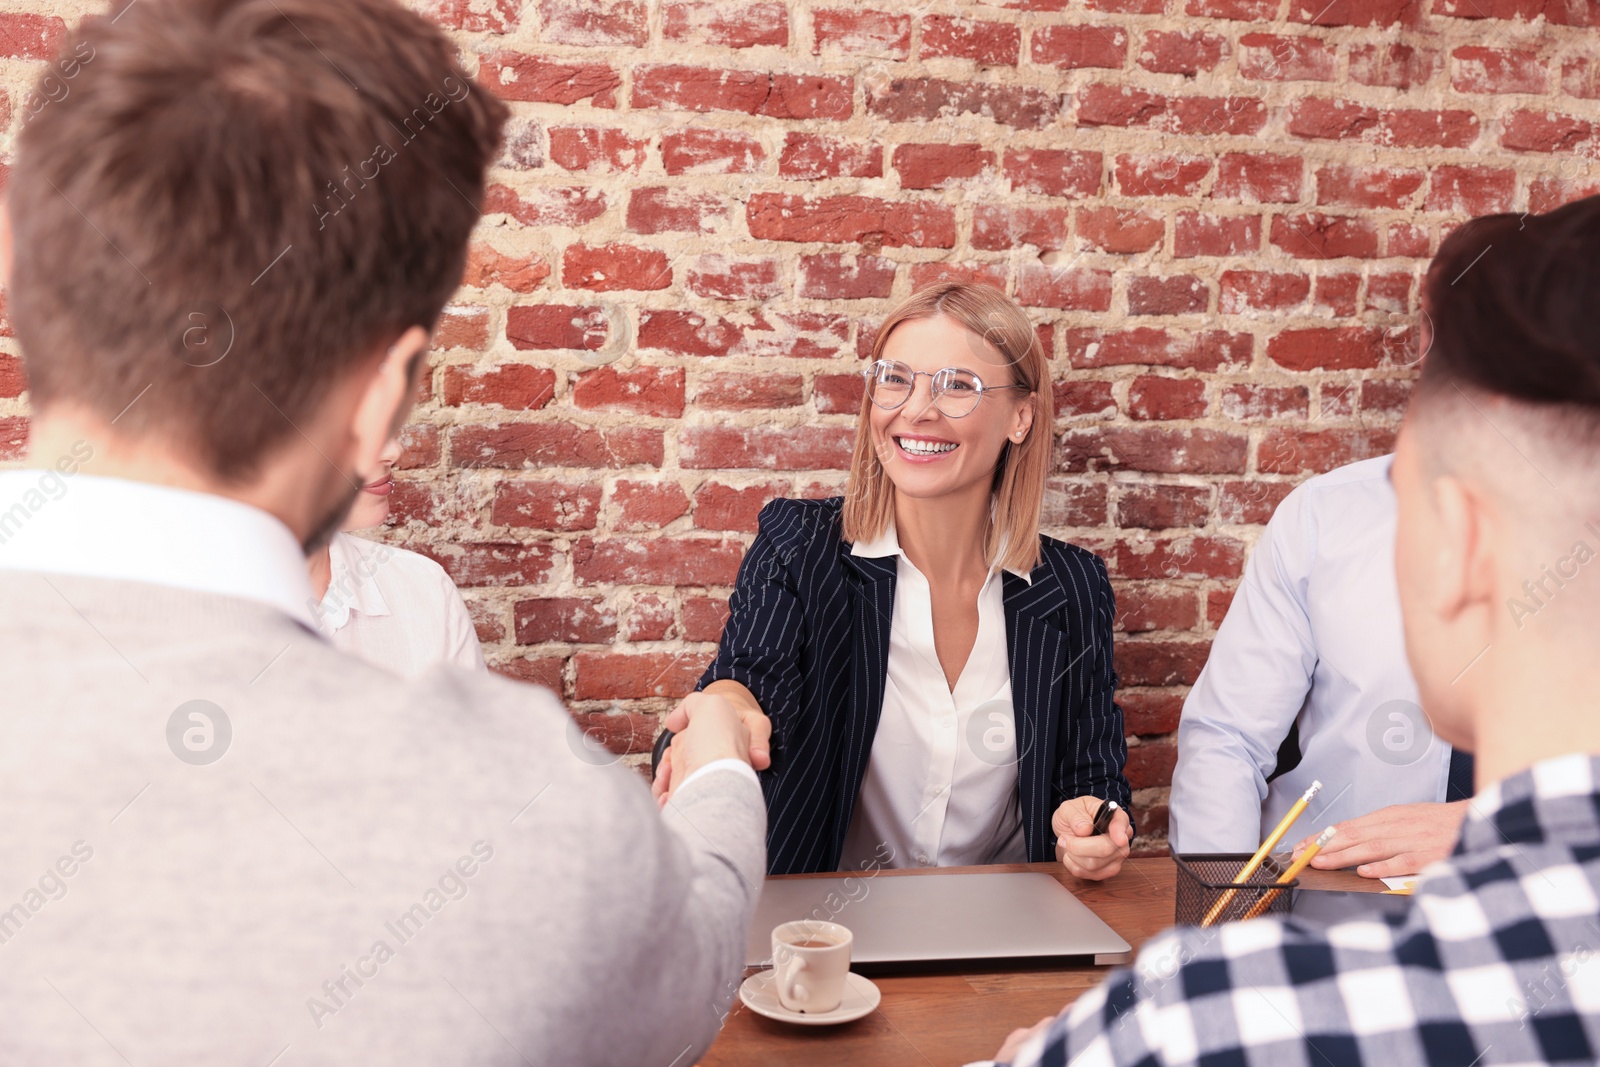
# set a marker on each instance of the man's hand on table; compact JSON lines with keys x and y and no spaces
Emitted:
{"x":1392,"y":842}
{"x":1080,"y":850}
{"x":706,"y":727}
{"x":1019,"y":1037}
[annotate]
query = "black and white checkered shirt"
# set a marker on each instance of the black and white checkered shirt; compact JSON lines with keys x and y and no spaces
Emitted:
{"x":1497,"y":961}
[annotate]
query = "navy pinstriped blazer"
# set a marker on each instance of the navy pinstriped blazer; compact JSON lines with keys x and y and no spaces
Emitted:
{"x":808,"y":634}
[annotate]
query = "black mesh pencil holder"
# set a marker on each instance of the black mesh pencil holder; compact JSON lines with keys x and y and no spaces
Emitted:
{"x":1206,"y":890}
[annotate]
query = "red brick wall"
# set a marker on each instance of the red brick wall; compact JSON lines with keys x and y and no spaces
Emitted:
{"x":1216,"y":210}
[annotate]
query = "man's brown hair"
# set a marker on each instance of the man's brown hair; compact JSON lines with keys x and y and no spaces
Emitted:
{"x":237,"y":203}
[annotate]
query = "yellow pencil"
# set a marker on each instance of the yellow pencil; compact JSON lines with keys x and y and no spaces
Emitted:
{"x":1292,"y":873}
{"x":1261,"y":854}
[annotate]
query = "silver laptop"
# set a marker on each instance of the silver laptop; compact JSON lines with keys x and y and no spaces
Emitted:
{"x":927,"y":918}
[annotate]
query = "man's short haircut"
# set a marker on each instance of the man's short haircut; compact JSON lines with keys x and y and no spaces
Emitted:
{"x":1514,"y":304}
{"x":292,"y":180}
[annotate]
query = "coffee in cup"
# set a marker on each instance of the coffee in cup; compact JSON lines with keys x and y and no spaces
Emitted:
{"x":810,"y":964}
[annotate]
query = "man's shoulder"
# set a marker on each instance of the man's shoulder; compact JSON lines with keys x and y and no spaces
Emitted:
{"x":1366,"y":480}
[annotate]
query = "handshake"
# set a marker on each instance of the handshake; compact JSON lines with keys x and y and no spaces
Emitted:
{"x":722,"y":721}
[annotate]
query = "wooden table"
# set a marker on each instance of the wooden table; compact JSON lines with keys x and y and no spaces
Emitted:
{"x":963,"y":1013}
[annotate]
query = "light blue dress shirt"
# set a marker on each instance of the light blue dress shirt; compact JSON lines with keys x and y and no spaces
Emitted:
{"x":1312,"y":634}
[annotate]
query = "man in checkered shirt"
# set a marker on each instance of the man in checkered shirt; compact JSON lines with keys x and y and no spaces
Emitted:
{"x":1497,"y":960}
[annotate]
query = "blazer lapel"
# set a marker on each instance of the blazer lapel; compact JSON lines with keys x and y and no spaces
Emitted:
{"x":1038,"y":647}
{"x":871,"y":582}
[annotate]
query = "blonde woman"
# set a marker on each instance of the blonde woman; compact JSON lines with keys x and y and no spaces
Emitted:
{"x":927,"y":680}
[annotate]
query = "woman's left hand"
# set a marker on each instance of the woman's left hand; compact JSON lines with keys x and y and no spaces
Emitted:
{"x":1080,"y":851}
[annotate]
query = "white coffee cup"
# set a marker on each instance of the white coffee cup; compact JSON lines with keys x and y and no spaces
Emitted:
{"x":810,"y":963}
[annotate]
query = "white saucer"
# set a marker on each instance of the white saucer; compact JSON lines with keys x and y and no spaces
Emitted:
{"x":760,"y":994}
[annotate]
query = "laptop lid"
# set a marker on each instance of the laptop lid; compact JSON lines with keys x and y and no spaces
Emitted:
{"x":935,"y":917}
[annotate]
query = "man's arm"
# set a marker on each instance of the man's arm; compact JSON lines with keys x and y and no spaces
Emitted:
{"x":672,"y":914}
{"x":1253,"y":685}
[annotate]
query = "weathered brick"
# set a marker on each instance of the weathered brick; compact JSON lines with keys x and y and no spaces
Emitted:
{"x":1476,"y":69}
{"x":1197,"y":234}
{"x":1178,"y":295}
{"x":1154,"y":397}
{"x":879,"y":34}
{"x":1161,"y":175}
{"x":869,"y":221}
{"x":647,"y":505}
{"x":704,"y":151}
{"x":795,"y":448}
{"x":1393,"y":66}
{"x":574,"y":620}
{"x":1327,"y":348}
{"x":1072,"y":47}
{"x":513,"y":386}
{"x":515,"y":76}
{"x":846,"y":276}
{"x":660,"y":209}
{"x":1182,"y":52}
{"x":1272,"y":57}
{"x":1341,"y":185}
{"x":654,"y":391}
{"x":556,"y":506}
{"x":1208,"y":350}
{"x":1291,"y":451}
{"x":987,"y":43}
{"x":1158,"y":451}
{"x":1001,"y":228}
{"x":727,"y":24}
{"x":781,"y":96}
{"x":1161,"y":507}
{"x":1258,"y":178}
{"x":656,"y":561}
{"x":927,"y":99}
{"x":561,"y":444}
{"x":812,"y":156}
{"x":607,"y":268}
{"x":1244,"y":291}
{"x":742,"y":392}
{"x":1319,"y":236}
{"x":595,"y":23}
{"x":724,"y":277}
{"x":1054,"y":171}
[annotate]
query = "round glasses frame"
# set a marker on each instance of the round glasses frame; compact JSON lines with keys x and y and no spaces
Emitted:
{"x":956,"y":391}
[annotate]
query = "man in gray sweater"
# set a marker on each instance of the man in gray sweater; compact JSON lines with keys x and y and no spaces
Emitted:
{"x":221,"y":841}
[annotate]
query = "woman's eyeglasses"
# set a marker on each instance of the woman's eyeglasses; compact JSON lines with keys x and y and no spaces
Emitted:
{"x":956,"y":391}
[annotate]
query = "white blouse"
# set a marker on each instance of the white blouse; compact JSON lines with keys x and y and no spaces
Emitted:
{"x":395,"y":608}
{"x":941,"y":782}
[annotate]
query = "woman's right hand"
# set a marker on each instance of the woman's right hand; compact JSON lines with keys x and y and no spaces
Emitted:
{"x":741,"y":702}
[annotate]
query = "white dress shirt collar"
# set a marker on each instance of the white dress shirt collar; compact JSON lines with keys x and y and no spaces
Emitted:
{"x":126,"y":530}
{"x":888,"y":544}
{"x":351,"y":584}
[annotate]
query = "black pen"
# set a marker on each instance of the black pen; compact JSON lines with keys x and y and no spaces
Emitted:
{"x":1103,"y":816}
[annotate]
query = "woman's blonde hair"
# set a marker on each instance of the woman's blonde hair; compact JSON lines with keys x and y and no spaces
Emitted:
{"x":1013,"y":538}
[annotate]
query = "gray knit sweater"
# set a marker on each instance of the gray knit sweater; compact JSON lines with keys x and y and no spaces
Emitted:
{"x":372,"y":872}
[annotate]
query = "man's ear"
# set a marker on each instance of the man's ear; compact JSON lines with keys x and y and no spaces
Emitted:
{"x":1466,"y":569}
{"x":386,"y":399}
